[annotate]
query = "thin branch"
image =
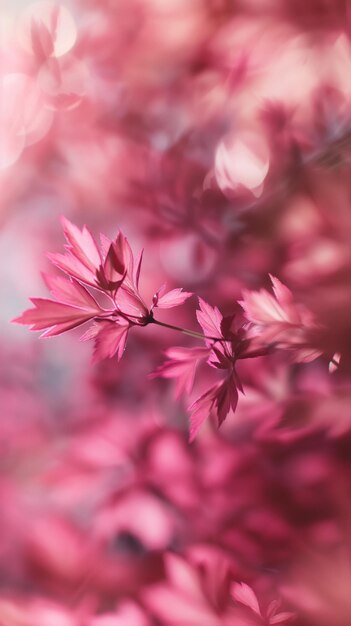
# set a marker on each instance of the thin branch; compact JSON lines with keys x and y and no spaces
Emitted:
{"x":185,"y":331}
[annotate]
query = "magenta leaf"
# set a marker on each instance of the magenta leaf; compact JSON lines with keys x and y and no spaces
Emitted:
{"x":200,"y":411}
{"x":70,"y":291}
{"x":172,"y":298}
{"x":110,"y":340}
{"x":210,"y":319}
{"x":277,"y":319}
{"x":226,"y":399}
{"x":81,"y":244}
{"x":111,"y":275}
{"x":138,"y":268}
{"x":241,"y":592}
{"x":73,"y":267}
{"x":182,"y":366}
{"x":218,"y":400}
{"x":55,"y":317}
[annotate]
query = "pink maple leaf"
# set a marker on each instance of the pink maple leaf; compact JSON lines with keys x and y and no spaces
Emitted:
{"x":128,"y":298}
{"x":103,"y":269}
{"x":277,"y":319}
{"x":81,"y":243}
{"x":73,"y":267}
{"x":110,"y":339}
{"x":76,"y":261}
{"x":75,"y":307}
{"x":219,"y":399}
{"x":168,"y":300}
{"x":221,"y":353}
{"x":245,"y":595}
{"x":210,"y":320}
{"x":241,"y":592}
{"x":182,"y":365}
{"x":113,"y":271}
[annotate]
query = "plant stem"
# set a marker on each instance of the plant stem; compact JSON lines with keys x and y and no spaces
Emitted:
{"x":185,"y":331}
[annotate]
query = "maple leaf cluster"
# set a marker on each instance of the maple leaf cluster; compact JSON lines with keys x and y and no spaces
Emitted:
{"x":216,"y":136}
{"x":112,"y":273}
{"x":270,"y":321}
